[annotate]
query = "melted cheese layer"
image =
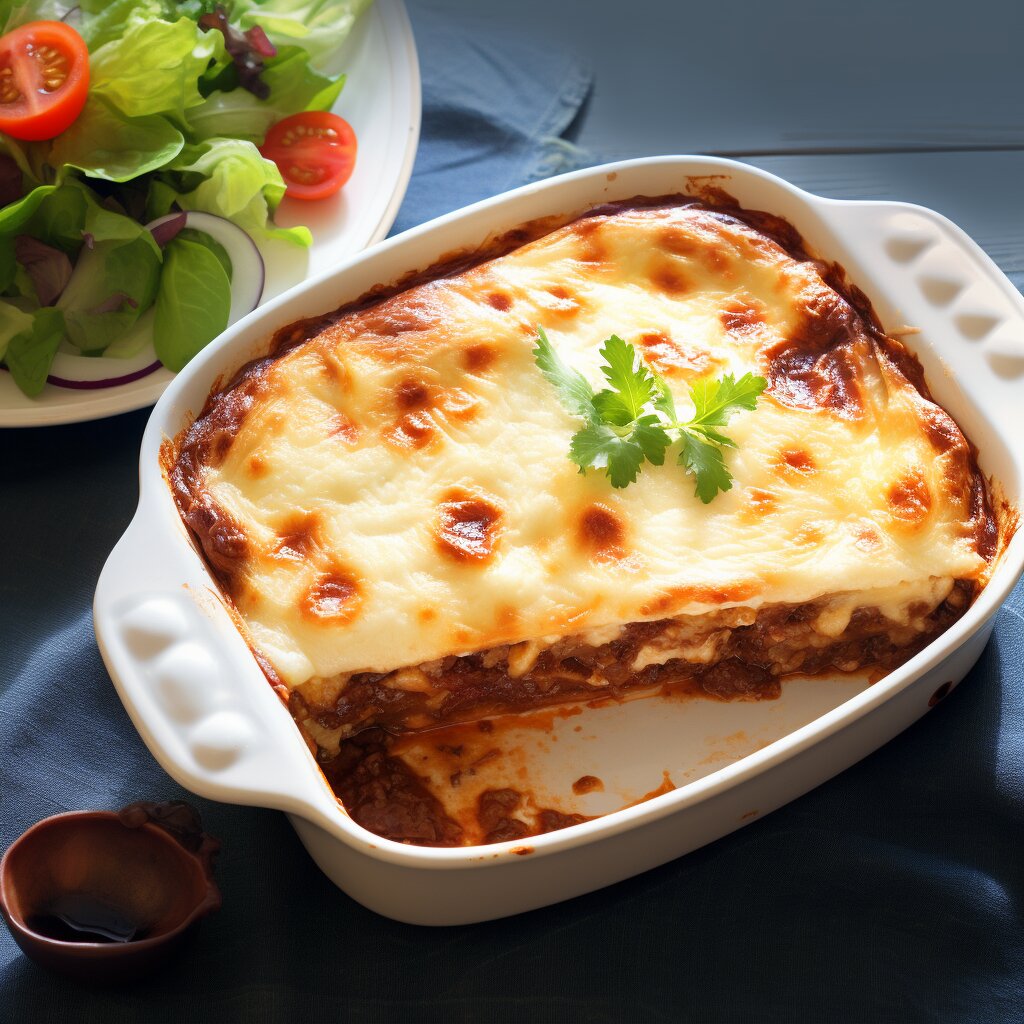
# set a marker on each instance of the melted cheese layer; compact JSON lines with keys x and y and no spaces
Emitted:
{"x":398,"y":489}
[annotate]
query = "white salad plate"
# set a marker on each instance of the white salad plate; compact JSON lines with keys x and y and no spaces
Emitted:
{"x":381,"y":100}
{"x":207,"y":713}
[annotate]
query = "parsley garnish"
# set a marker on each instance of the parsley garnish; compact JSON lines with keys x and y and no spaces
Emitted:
{"x":635,"y":420}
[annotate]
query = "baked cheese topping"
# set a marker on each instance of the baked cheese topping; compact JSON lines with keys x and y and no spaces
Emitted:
{"x":396,"y":489}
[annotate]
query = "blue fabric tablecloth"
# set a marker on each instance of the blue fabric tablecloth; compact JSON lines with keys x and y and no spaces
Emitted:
{"x":892,"y":893}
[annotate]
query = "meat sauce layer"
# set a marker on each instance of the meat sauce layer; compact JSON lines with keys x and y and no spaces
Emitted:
{"x":381,"y":792}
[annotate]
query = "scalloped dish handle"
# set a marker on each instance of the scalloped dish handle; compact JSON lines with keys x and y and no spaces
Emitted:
{"x":176,"y":659}
{"x":929,"y":275}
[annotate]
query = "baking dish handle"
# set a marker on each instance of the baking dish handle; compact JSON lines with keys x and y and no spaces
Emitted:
{"x":930,"y":276}
{"x":191,"y":685}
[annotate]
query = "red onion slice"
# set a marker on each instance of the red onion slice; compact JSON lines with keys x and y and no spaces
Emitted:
{"x":248,"y":274}
{"x":105,"y":382}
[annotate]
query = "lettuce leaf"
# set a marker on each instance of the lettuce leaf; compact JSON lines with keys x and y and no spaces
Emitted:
{"x":128,"y":271}
{"x":13,"y":14}
{"x":103,"y":143}
{"x":203,"y":239}
{"x":318,"y":26}
{"x":60,"y":220}
{"x":193,"y":303}
{"x":13,"y":321}
{"x":105,"y":20}
{"x":154,"y":67}
{"x":15,"y":215}
{"x":238,"y":183}
{"x":294,"y":85}
{"x":29,"y":354}
{"x":65,"y":217}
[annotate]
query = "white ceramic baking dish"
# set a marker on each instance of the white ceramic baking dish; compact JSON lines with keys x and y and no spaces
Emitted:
{"x":208,"y":715}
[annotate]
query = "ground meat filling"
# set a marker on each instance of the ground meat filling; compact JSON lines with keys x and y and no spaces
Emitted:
{"x":739,"y":653}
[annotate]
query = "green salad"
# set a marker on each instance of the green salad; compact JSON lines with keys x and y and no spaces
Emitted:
{"x":133,"y":228}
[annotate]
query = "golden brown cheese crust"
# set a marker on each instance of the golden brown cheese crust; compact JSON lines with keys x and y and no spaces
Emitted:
{"x":391,"y":486}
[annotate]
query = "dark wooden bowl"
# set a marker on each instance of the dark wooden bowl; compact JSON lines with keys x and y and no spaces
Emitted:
{"x":143,"y":876}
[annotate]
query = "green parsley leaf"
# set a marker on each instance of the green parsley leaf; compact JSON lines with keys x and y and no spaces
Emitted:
{"x":633,"y":420}
{"x":598,"y":446}
{"x":715,"y":401}
{"x":574,"y":390}
{"x":705,"y":462}
{"x":631,"y":381}
{"x":652,"y":437}
{"x":663,"y":400}
{"x":712,"y":435}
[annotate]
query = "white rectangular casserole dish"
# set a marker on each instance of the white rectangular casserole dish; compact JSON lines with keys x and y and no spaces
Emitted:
{"x":206,"y":711}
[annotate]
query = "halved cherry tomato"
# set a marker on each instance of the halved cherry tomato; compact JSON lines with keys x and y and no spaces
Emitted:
{"x":315,"y":152}
{"x":44,"y":79}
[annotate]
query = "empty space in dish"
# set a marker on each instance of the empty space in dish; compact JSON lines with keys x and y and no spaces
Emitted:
{"x":550,"y":765}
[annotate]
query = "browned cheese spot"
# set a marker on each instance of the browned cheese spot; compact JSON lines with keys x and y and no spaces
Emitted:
{"x":591,"y":248}
{"x":507,"y":616}
{"x":679,"y":242}
{"x":343,"y":428}
{"x":257,"y":465}
{"x":601,"y":531}
{"x":415,"y":430}
{"x":667,"y":278}
{"x":334,"y":597}
{"x":793,"y":463}
{"x":680,"y":597}
{"x":941,"y":430}
{"x":458,"y":404}
{"x":467,"y":526}
{"x":221,"y":445}
{"x":427,"y":614}
{"x":478,"y":358}
{"x":562,"y":303}
{"x":224,"y":541}
{"x":418,"y":402}
{"x":703,"y":243}
{"x":760,"y":503}
{"x":412,"y":394}
{"x":743,"y":316}
{"x":246,"y":597}
{"x":297,"y":536}
{"x":500,"y":301}
{"x":866,"y":538}
{"x":809,"y":535}
{"x":818,"y":367}
{"x":909,"y":498}
{"x":671,"y":357}
{"x":402,"y":314}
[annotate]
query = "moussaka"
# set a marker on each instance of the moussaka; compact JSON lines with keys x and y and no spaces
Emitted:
{"x":387,"y":500}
